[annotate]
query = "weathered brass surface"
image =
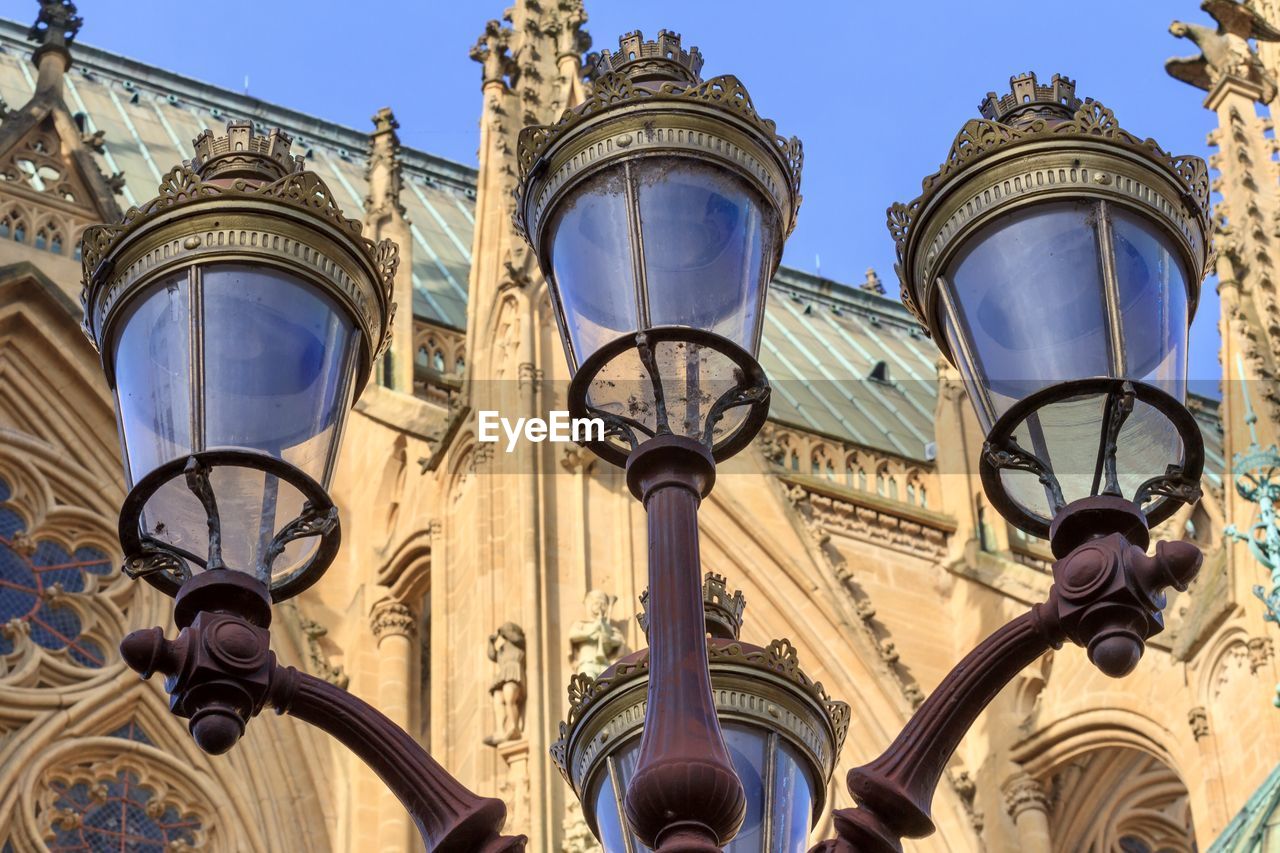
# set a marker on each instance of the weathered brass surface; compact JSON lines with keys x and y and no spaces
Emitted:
{"x":1039,"y":144}
{"x":242,"y":198}
{"x":655,"y":104}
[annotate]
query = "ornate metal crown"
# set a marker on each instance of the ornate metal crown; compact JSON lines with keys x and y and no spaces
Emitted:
{"x":649,"y":101}
{"x":240,"y":154}
{"x":722,"y":611}
{"x":1029,"y":100}
{"x":662,"y":59}
{"x":1035,"y":143}
{"x":242,"y":197}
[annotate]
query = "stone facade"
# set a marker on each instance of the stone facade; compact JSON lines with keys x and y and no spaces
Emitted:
{"x":855,"y":524}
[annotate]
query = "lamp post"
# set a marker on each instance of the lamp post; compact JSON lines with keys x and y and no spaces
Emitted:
{"x":657,"y":210}
{"x":1056,"y":259}
{"x":238,"y":315}
{"x":783,"y":732}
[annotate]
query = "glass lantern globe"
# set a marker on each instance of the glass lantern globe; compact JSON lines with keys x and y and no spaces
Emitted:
{"x":782,"y":731}
{"x":1057,"y":261}
{"x":237,"y":324}
{"x":658,"y":210}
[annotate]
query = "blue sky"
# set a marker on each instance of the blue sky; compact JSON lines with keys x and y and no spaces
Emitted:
{"x":877,"y":91}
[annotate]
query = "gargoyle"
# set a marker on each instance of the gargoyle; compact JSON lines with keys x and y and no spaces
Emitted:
{"x":1225,"y":52}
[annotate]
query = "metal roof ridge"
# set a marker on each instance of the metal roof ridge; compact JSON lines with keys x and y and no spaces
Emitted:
{"x":209,"y":95}
{"x":802,"y":283}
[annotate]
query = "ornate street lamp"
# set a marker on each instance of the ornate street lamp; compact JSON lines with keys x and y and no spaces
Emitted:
{"x":1056,"y":259}
{"x":658,"y":209}
{"x":238,"y":315}
{"x":783,"y":732}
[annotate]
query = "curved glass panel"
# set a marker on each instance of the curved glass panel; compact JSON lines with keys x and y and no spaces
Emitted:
{"x":748,"y":750}
{"x":777,"y":787}
{"x":608,"y":819}
{"x":278,"y":357}
{"x":152,"y":366}
{"x":705,"y":234}
{"x":792,"y":803}
{"x":273,"y":360}
{"x":692,"y":378}
{"x":1067,"y":436}
{"x":1027,"y":290}
{"x":592,"y":273}
{"x":1153,"y":302}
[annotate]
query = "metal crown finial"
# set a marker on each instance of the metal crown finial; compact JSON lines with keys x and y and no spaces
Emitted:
{"x":722,"y":610}
{"x":1028,"y":100}
{"x":242,"y":154}
{"x":660,"y":60}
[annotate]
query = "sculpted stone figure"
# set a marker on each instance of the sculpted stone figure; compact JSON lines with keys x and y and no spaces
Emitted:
{"x":595,"y":642}
{"x":506,"y":649}
{"x":1225,"y":52}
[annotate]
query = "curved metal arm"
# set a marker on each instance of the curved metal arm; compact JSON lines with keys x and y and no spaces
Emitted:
{"x":1107,"y":596}
{"x":895,"y":791}
{"x":220,"y":672}
{"x":450,"y":818}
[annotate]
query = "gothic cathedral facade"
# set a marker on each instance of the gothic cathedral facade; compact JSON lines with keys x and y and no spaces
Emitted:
{"x":855,"y":526}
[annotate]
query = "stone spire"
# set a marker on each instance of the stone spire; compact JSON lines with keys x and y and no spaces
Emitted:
{"x":531,"y":72}
{"x":383,"y":172}
{"x":54,"y":31}
{"x":42,"y":133}
{"x":384,"y":217}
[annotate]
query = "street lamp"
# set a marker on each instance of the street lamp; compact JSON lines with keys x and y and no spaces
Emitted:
{"x":1056,"y":259}
{"x":238,"y":315}
{"x":783,"y":731}
{"x":658,"y":209}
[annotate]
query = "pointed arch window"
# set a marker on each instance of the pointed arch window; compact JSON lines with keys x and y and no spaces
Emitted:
{"x":119,"y":813}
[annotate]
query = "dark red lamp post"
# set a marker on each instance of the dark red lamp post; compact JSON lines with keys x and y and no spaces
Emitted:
{"x":658,"y":209}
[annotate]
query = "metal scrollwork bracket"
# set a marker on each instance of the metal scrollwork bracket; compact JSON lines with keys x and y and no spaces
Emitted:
{"x":1173,"y":483}
{"x":313,"y":521}
{"x":731,"y":399}
{"x":1010,"y":456}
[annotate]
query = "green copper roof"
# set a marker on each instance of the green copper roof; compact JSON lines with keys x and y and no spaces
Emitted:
{"x":1256,"y":828}
{"x":150,"y":117}
{"x":843,"y":362}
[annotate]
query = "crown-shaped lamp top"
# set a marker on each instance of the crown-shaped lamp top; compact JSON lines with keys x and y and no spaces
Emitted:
{"x":1029,"y":100}
{"x":658,"y":61}
{"x":722,"y":610}
{"x":241,"y":154}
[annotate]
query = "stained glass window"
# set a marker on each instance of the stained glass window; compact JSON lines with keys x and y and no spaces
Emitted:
{"x":117,"y":814}
{"x":132,"y":731}
{"x":29,"y":571}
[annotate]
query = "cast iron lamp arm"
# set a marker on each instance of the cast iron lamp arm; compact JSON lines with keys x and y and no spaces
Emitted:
{"x":220,"y":672}
{"x":1107,"y":596}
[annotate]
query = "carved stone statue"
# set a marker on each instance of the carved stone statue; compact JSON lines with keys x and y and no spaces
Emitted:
{"x":506,"y":649}
{"x":1225,"y":52}
{"x":595,"y":642}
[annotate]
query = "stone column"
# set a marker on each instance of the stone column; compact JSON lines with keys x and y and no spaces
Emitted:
{"x":395,"y":626}
{"x":1027,"y":803}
